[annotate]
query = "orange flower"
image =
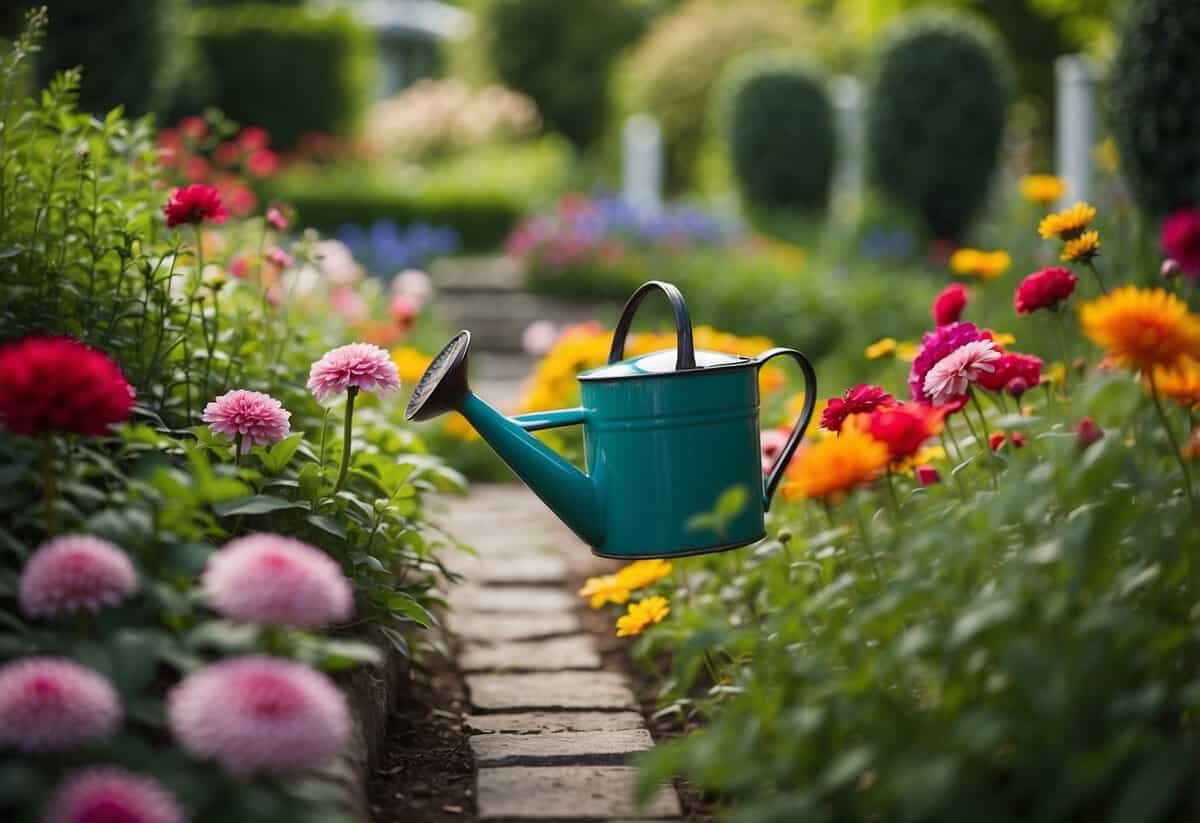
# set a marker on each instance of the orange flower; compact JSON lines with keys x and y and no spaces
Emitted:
{"x":1142,"y":328}
{"x":1182,"y":383}
{"x":605,"y":589}
{"x":830,"y":468}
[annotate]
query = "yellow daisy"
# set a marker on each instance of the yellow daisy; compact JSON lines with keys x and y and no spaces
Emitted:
{"x":605,"y":589}
{"x":907,"y":351}
{"x":1043,"y":189}
{"x":1081,"y":249}
{"x":642,"y":573}
{"x":1067,"y":223}
{"x":642,"y":614}
{"x":986,"y":265}
{"x":881,"y":348}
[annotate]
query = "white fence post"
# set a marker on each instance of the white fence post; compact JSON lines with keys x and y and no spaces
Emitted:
{"x":642,"y":162}
{"x":1075,"y":124}
{"x":849,"y":118}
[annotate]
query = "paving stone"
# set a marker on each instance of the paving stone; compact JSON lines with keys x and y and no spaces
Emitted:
{"x":510,"y":599}
{"x":535,"y":569}
{"x":576,"y":651}
{"x":536,"y":722}
{"x":564,"y":748}
{"x":566,"y":793}
{"x":495,"y":628}
{"x":552,"y":690}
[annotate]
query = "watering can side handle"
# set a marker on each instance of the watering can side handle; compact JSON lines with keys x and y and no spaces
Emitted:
{"x":536,"y":421}
{"x":810,"y":401}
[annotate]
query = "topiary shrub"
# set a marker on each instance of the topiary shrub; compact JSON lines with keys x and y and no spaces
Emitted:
{"x":1156,"y":102}
{"x":779,"y":130}
{"x":935,"y":118}
{"x":288,"y":70}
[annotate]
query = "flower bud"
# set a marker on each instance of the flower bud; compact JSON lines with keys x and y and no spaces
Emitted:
{"x":1087,"y":432}
{"x":927,"y":475}
{"x":1017,"y":386}
{"x":1170,"y":269}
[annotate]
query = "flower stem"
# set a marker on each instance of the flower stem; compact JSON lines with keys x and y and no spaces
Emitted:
{"x":1095,"y":271}
{"x":349,"y":427}
{"x":237,"y":450}
{"x":1060,"y":325}
{"x":1175,"y":448}
{"x":866,"y":539}
{"x":49,"y":484}
{"x":324,"y":437}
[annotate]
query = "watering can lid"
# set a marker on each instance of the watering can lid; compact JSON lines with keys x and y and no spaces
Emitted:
{"x":660,"y":363}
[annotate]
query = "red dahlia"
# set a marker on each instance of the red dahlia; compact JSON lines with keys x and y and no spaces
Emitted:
{"x":1012,"y":366}
{"x":1181,"y":240}
{"x":194,"y":204}
{"x":1044,"y":289}
{"x":949,"y":304}
{"x":904,"y":428}
{"x":858,"y":400}
{"x":57,"y":384}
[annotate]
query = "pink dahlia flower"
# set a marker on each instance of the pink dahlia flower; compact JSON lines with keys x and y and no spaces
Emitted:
{"x":259,"y":714}
{"x":268,"y":578}
{"x":356,"y":366}
{"x":52,"y":703}
{"x":951,"y":376}
{"x":75,"y":572}
{"x":112,"y":795}
{"x":934,"y":346}
{"x":259,"y":418}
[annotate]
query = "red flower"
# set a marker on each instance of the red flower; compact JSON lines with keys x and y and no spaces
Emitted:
{"x":227,"y":154}
{"x":57,"y":384}
{"x":1181,"y":240}
{"x":194,"y":204}
{"x":1017,"y":439}
{"x":1087,"y":432}
{"x":196,"y":169}
{"x":949,"y":304}
{"x":263,"y":163}
{"x":1012,"y":365}
{"x":904,"y":428}
{"x":1044,"y":289}
{"x":253,"y":138}
{"x":858,"y":400}
{"x":927,"y":475}
{"x":194,"y":128}
{"x":996,"y":440}
{"x":170,"y":147}
{"x":242,"y":200}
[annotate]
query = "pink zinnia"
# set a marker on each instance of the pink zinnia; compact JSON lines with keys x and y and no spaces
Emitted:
{"x":52,"y":703}
{"x":951,"y":376}
{"x":268,"y":578}
{"x":1011,"y":366}
{"x":949,"y":304}
{"x":259,"y":714}
{"x":355,"y":366}
{"x":195,"y":204}
{"x":1181,"y":240}
{"x":860,"y":399}
{"x":934,"y":346}
{"x":259,"y":418}
{"x":112,"y":795}
{"x":75,"y":572}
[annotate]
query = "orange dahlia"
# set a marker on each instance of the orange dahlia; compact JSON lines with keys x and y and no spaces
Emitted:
{"x":1181,"y":383}
{"x":1142,"y":328}
{"x":830,"y":468}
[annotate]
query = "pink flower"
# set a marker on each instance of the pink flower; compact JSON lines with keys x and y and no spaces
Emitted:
{"x":414,"y":284}
{"x":355,"y":366}
{"x":268,"y":578}
{"x":75,"y":572}
{"x":348,"y":303}
{"x":194,"y":127}
{"x":278,"y":257}
{"x":52,"y":704}
{"x":262,"y":163}
{"x":539,"y":337}
{"x":239,"y":266}
{"x":934,"y":346}
{"x":194,"y":204}
{"x":860,"y":399}
{"x":253,"y":138}
{"x":1012,"y":365}
{"x":259,"y":714}
{"x":1181,"y":240}
{"x":276,"y":218}
{"x":404,"y":311}
{"x":1044,"y":289}
{"x":957,"y":371}
{"x":259,"y":418}
{"x":227,"y":154}
{"x":949,"y":304}
{"x":771,"y":442}
{"x":112,"y":795}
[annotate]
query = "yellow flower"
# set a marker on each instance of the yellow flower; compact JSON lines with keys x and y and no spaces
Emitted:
{"x":410,"y":363}
{"x":1142,"y":328}
{"x":1043,"y":188}
{"x":1003,"y":338}
{"x":907,"y":351}
{"x":880,"y":348}
{"x":1056,"y":374}
{"x":457,"y":427}
{"x":986,"y":265}
{"x":1107,"y":157}
{"x":642,"y":573}
{"x":1182,"y":383}
{"x":770,"y":380}
{"x":606,"y":589}
{"x":642,"y":614}
{"x":1082,"y":248}
{"x":829,"y":468}
{"x":1067,"y":223}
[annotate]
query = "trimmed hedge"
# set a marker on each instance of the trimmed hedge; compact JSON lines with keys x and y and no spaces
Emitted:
{"x":285,"y":69}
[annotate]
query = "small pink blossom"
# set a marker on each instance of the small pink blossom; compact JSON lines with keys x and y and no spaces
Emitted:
{"x":112,"y":795}
{"x":52,"y":704}
{"x":539,"y":337}
{"x":337,"y":262}
{"x":279,"y":258}
{"x":414,"y":284}
{"x":276,"y":218}
{"x":268,"y":578}
{"x":772,"y":443}
{"x":239,"y":266}
{"x":259,"y":714}
{"x":348,"y":303}
{"x":358,"y":365}
{"x":75,"y":572}
{"x":259,"y":418}
{"x":951,"y":376}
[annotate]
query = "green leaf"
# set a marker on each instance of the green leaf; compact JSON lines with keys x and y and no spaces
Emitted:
{"x":410,"y":608}
{"x":278,"y":456}
{"x":256,"y":504}
{"x":327,"y":525}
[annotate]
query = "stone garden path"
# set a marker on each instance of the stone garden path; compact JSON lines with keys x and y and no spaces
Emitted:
{"x":551,"y":731}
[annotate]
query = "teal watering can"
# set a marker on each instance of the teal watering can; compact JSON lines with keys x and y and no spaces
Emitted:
{"x":665,"y":434}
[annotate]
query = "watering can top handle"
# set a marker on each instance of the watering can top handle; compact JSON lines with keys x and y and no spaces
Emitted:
{"x":685,"y":350}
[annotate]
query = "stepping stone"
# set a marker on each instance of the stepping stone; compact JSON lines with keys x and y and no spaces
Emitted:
{"x":554,"y":690}
{"x":495,"y":628}
{"x":525,"y":723}
{"x":567,"y":793}
{"x":572,"y":652}
{"x":510,"y":599}
{"x":535,"y":569}
{"x":562,"y":749}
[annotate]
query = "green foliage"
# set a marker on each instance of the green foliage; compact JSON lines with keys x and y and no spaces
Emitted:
{"x":937,"y":102}
{"x":289,"y":71}
{"x":779,"y":129}
{"x":1156,"y":103}
{"x":560,"y":55}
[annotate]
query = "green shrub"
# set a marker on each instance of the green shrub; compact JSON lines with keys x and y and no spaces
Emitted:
{"x":560,"y":55}
{"x":935,"y":118}
{"x":1156,"y":102}
{"x":778,"y":125}
{"x":284,"y":69}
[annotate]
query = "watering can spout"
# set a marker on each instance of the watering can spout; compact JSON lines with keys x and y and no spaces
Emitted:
{"x":568,"y":492}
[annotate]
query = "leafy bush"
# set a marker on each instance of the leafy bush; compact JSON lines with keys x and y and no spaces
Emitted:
{"x":1156,"y":103}
{"x":935,"y":119}
{"x":560,"y":55}
{"x":287,"y":70}
{"x":778,"y":126}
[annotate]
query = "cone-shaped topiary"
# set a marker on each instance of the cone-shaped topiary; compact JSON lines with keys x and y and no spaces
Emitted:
{"x":778,"y":125}
{"x":935,"y":118}
{"x":1156,"y":102}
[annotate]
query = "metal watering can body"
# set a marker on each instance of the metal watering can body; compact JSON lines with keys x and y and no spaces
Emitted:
{"x":665,"y":435}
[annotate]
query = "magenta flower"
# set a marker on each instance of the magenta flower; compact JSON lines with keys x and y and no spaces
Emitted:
{"x":268,"y":578}
{"x":249,"y":417}
{"x":259,"y":714}
{"x":934,"y":346}
{"x":112,"y":795}
{"x":951,"y":376}
{"x":356,"y":366}
{"x":52,"y":703}
{"x":75,"y":572}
